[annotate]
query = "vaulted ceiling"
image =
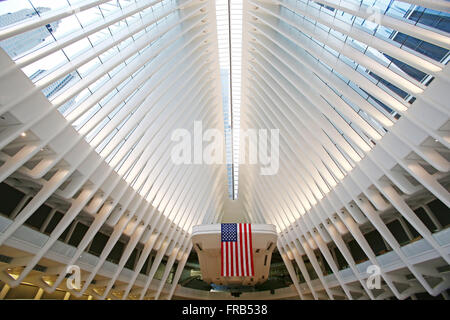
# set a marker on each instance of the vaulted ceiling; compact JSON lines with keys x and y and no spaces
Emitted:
{"x":353,"y":97}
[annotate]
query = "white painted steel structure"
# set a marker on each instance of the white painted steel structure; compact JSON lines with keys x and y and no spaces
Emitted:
{"x":354,"y":153}
{"x":344,"y":160}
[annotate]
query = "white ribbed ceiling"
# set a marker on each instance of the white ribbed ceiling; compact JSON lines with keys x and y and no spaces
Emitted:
{"x":91,"y":92}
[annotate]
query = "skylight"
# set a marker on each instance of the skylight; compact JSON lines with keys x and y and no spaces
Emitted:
{"x":229,"y":34}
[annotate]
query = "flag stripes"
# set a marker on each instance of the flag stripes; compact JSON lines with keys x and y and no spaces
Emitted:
{"x":236,"y":250}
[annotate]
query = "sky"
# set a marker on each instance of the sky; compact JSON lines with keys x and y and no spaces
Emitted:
{"x":65,"y":26}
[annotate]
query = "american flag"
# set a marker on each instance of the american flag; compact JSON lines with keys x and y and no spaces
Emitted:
{"x":237,"y":252}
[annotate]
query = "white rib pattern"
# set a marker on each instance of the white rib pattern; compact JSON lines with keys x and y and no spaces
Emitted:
{"x":143,"y":69}
{"x":362,"y":142}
